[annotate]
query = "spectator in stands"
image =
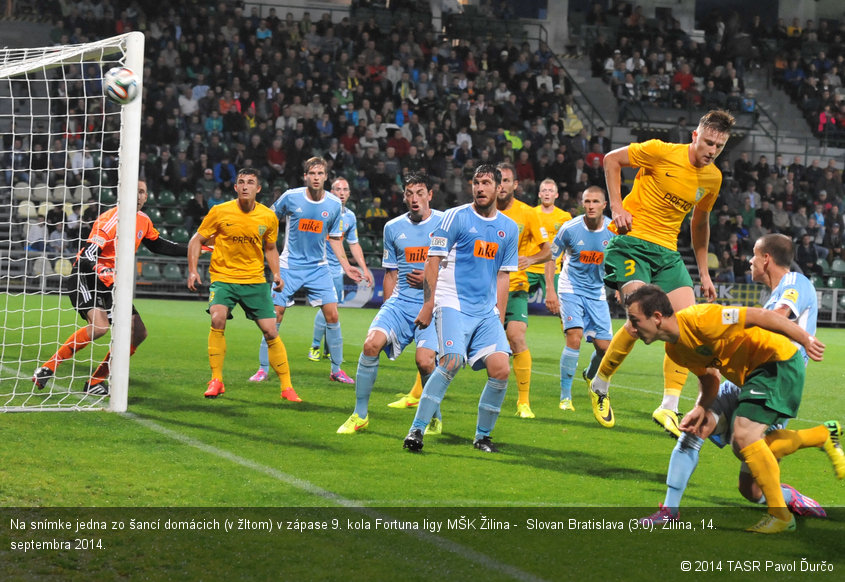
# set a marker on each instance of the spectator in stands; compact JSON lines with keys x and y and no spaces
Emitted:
{"x":799,"y":221}
{"x":195,"y":211}
{"x":833,"y":242}
{"x":37,"y":235}
{"x":680,"y":133}
{"x":807,"y":256}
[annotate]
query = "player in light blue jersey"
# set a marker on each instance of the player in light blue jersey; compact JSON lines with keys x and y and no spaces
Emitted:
{"x":406,"y":242}
{"x":349,"y":229}
{"x":581,"y":298}
{"x":465,"y":291}
{"x":312,"y":217}
{"x":794,"y":297}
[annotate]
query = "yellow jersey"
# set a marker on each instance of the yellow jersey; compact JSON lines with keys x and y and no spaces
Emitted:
{"x":238,"y":255}
{"x":551,"y":221}
{"x":666,"y":189}
{"x":715,"y":336}
{"x":531,"y":236}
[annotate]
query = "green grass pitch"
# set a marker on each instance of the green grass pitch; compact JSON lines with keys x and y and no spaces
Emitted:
{"x":248,"y":453}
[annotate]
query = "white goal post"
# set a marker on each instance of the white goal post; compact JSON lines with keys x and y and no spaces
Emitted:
{"x":66,"y":155}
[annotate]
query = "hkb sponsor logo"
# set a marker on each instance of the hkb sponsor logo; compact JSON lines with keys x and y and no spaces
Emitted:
{"x":485,"y":250}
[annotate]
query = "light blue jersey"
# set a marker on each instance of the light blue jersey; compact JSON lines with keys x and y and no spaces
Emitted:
{"x":349,"y":228}
{"x":798,"y":294}
{"x":308,"y":224}
{"x":406,"y":246}
{"x":475,"y":250}
{"x":583,"y":265}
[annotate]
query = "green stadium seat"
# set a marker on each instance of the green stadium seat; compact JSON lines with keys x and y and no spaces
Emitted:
{"x":174,"y":217}
{"x":172,"y":272}
{"x":184,"y":198}
{"x":838,"y":267}
{"x":826,"y":270}
{"x":373,"y":261}
{"x":143,"y":251}
{"x":166,"y":198}
{"x":366,"y":244}
{"x":180,"y":234}
{"x":150,"y":272}
{"x":155,"y":215}
{"x":108,"y":196}
{"x":379,"y":246}
{"x":834,"y":282}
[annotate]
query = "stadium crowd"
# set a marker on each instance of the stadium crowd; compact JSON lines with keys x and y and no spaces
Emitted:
{"x":227,"y":88}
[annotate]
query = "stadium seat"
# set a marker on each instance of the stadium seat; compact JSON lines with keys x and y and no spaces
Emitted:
{"x":44,"y":208}
{"x":378,"y":247}
{"x":172,"y":272}
{"x":143,"y":251}
{"x":184,"y":198}
{"x":63,"y":267}
{"x":41,"y":266}
{"x":166,"y":198}
{"x":39,"y":192}
{"x":834,"y":282}
{"x":108,"y":196}
{"x":712,"y":261}
{"x":154,"y":214}
{"x":20,"y":191}
{"x":27,"y":210}
{"x":373,"y":261}
{"x":826,"y":270}
{"x":61,"y":195}
{"x":174,"y":217}
{"x":838,"y":267}
{"x":180,"y":234}
{"x":366,"y":244}
{"x":150,"y":272}
{"x":817,"y":281}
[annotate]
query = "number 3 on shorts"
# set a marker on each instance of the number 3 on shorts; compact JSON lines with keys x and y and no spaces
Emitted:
{"x":630,"y":267}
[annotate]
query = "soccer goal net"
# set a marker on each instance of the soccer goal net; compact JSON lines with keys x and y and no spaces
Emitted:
{"x":67,"y":155}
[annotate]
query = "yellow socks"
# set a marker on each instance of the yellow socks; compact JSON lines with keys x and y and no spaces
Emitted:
{"x":416,"y":391}
{"x":522,"y":371}
{"x":674,"y":378}
{"x":619,"y":348}
{"x":784,"y":442}
{"x":216,"y":352}
{"x":278,"y":356}
{"x":765,"y":470}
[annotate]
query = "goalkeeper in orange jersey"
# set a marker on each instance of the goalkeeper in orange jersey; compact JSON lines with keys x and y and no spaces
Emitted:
{"x":244,"y":232}
{"x":93,"y":274}
{"x":751,"y":347}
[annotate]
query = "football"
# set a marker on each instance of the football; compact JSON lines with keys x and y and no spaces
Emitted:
{"x":121,"y":85}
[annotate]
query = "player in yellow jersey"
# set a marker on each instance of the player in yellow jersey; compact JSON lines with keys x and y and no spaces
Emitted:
{"x":673,"y":179}
{"x":244,"y":232}
{"x":754,"y":349}
{"x":534,"y":249}
{"x":551,"y":218}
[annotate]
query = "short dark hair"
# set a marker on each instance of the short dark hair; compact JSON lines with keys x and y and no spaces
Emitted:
{"x":651,"y":299}
{"x":418,"y":178}
{"x":717,"y":120}
{"x":488,"y":170}
{"x":249,"y":172}
{"x":779,"y":247}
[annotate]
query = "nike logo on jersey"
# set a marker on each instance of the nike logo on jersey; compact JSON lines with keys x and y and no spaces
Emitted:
{"x":757,"y":393}
{"x":668,"y":175}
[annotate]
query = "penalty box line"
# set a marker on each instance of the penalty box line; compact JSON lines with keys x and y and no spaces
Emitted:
{"x":441,"y":543}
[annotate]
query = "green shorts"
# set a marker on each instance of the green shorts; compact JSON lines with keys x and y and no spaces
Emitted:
{"x":631,"y":259}
{"x":536,"y":281}
{"x":517,"y":309}
{"x":254,"y":298}
{"x":772,"y":392}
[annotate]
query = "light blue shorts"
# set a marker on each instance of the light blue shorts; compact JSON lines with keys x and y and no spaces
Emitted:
{"x":337,"y":279}
{"x":472,"y":338}
{"x":317,"y":282}
{"x":395,"y":320}
{"x":591,"y":315}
